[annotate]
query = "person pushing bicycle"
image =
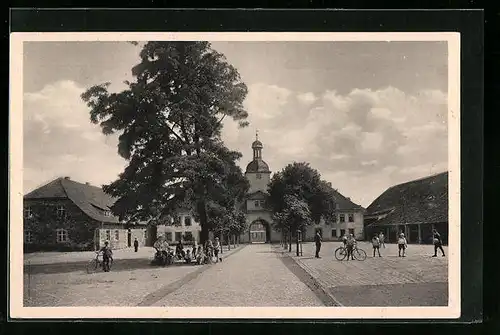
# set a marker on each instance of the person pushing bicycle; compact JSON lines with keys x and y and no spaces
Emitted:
{"x":107,"y":256}
{"x":350,"y":244}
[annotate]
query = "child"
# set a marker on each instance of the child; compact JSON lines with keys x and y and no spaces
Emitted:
{"x":107,"y":256}
{"x":381,"y":237}
{"x":402,"y":244}
{"x":200,"y":257}
{"x":217,"y":250}
{"x":188,"y":258}
{"x":438,"y":243}
{"x":350,"y":243}
{"x":376,"y":245}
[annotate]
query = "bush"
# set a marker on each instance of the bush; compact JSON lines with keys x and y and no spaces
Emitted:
{"x":61,"y":247}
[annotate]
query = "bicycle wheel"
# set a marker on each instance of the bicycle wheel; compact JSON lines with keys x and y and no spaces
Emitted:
{"x":92,"y":266}
{"x":340,"y":253}
{"x":359,"y":254}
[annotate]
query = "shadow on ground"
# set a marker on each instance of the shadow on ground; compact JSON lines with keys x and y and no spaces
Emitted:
{"x":118,"y":265}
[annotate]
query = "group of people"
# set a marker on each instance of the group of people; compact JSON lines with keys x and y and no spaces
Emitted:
{"x":198,"y":254}
{"x":378,"y":241}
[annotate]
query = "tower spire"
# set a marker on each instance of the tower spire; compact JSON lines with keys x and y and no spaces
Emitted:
{"x":257,"y":135}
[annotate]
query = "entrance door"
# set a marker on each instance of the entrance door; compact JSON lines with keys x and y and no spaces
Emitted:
{"x":129,"y":238}
{"x":258,"y":233}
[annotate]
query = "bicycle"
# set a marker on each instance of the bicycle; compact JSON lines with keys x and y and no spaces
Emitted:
{"x":357,"y":253}
{"x":97,"y":263}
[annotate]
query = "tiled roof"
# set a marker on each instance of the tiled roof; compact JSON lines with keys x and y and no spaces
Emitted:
{"x":419,"y":201}
{"x":345,"y":203}
{"x":257,"y":195}
{"x":90,"y":199}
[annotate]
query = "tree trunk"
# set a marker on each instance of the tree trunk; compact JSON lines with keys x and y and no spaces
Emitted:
{"x":228,"y":241}
{"x":297,"y":244}
{"x":204,"y":235}
{"x":290,"y":243}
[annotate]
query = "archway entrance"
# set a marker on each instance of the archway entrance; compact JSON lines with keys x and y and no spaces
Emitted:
{"x":259,"y":232}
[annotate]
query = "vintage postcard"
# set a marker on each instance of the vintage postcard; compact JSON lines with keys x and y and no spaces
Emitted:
{"x":235,"y":175}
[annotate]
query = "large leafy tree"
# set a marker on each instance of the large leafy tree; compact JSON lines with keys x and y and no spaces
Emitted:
{"x":170,"y":121}
{"x":301,"y":182}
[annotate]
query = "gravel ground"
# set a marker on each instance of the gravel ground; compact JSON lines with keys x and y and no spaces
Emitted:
{"x":255,"y":276}
{"x":125,"y":287}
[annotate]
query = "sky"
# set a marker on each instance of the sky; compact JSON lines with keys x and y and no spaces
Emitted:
{"x":366,"y":115}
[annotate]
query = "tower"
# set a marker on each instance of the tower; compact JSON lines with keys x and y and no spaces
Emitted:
{"x":257,"y":172}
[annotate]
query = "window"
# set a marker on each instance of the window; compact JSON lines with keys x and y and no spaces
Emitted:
{"x":187,"y":221}
{"x":61,"y":212}
{"x":262,"y":203}
{"x":259,"y":176}
{"x":61,"y":235}
{"x":28,"y":213}
{"x":342,"y":217}
{"x":351,"y":217}
{"x":107,"y":235}
{"x":145,"y":234}
{"x":334,"y":218}
{"x":188,"y":236}
{"x":256,"y":203}
{"x":27,"y":236}
{"x":168,"y":236}
{"x":334,"y":232}
{"x":351,"y":231}
{"x":178,"y":236}
{"x":117,"y":235}
{"x":342,"y":232}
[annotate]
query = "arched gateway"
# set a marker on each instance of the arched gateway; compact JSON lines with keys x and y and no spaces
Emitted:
{"x":259,"y":232}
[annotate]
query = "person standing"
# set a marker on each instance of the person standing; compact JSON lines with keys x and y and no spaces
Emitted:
{"x":438,"y":243}
{"x":381,"y":238}
{"x":402,"y":245}
{"x":376,"y":245}
{"x":107,"y":256}
{"x":136,"y":245}
{"x":317,"y":240}
{"x":350,"y":243}
{"x":217,"y":247}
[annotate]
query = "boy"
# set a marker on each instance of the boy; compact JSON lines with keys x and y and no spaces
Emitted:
{"x":381,"y":237}
{"x":107,"y":256}
{"x":402,"y":244}
{"x":217,"y":247}
{"x":376,"y":245}
{"x":438,"y":243}
{"x":350,"y":243}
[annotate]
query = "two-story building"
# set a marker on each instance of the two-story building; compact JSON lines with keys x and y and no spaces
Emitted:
{"x":349,"y":218}
{"x":182,"y":227}
{"x":68,"y":215}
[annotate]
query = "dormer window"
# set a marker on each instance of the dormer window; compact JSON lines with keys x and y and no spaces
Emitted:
{"x":256,"y":203}
{"x":61,"y":212}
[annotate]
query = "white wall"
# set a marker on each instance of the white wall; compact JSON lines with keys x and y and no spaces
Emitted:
{"x":194,"y":228}
{"x":338,"y":226}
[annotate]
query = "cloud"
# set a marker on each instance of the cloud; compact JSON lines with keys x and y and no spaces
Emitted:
{"x":59,"y":139}
{"x":307,"y":98}
{"x":363,"y":141}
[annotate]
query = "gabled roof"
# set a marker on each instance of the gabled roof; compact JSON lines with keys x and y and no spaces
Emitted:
{"x":344,"y":203}
{"x":90,"y":199}
{"x":423,"y":200}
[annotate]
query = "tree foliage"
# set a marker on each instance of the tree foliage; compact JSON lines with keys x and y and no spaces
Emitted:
{"x":170,"y":121}
{"x":296,"y":186}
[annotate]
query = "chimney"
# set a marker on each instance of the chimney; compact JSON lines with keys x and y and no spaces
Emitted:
{"x":87,"y":183}
{"x":67,"y":178}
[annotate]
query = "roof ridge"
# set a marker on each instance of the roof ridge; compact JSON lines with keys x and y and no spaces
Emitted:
{"x":420,"y":179}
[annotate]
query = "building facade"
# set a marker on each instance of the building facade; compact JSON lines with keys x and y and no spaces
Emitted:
{"x":349,"y":217}
{"x":68,"y":215}
{"x":181,"y":228}
{"x":414,"y":208}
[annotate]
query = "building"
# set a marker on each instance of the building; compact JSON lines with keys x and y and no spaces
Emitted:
{"x":68,"y":215}
{"x":349,"y":217}
{"x":181,"y":228}
{"x":414,"y":207}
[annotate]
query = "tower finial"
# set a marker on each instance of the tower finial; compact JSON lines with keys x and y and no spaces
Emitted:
{"x":257,"y":135}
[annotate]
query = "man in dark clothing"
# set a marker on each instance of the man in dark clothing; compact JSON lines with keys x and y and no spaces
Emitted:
{"x":136,"y":245}
{"x":438,"y":242}
{"x":317,"y":240}
{"x":107,"y":256}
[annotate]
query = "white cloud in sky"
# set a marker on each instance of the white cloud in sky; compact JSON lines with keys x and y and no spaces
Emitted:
{"x":363,"y":142}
